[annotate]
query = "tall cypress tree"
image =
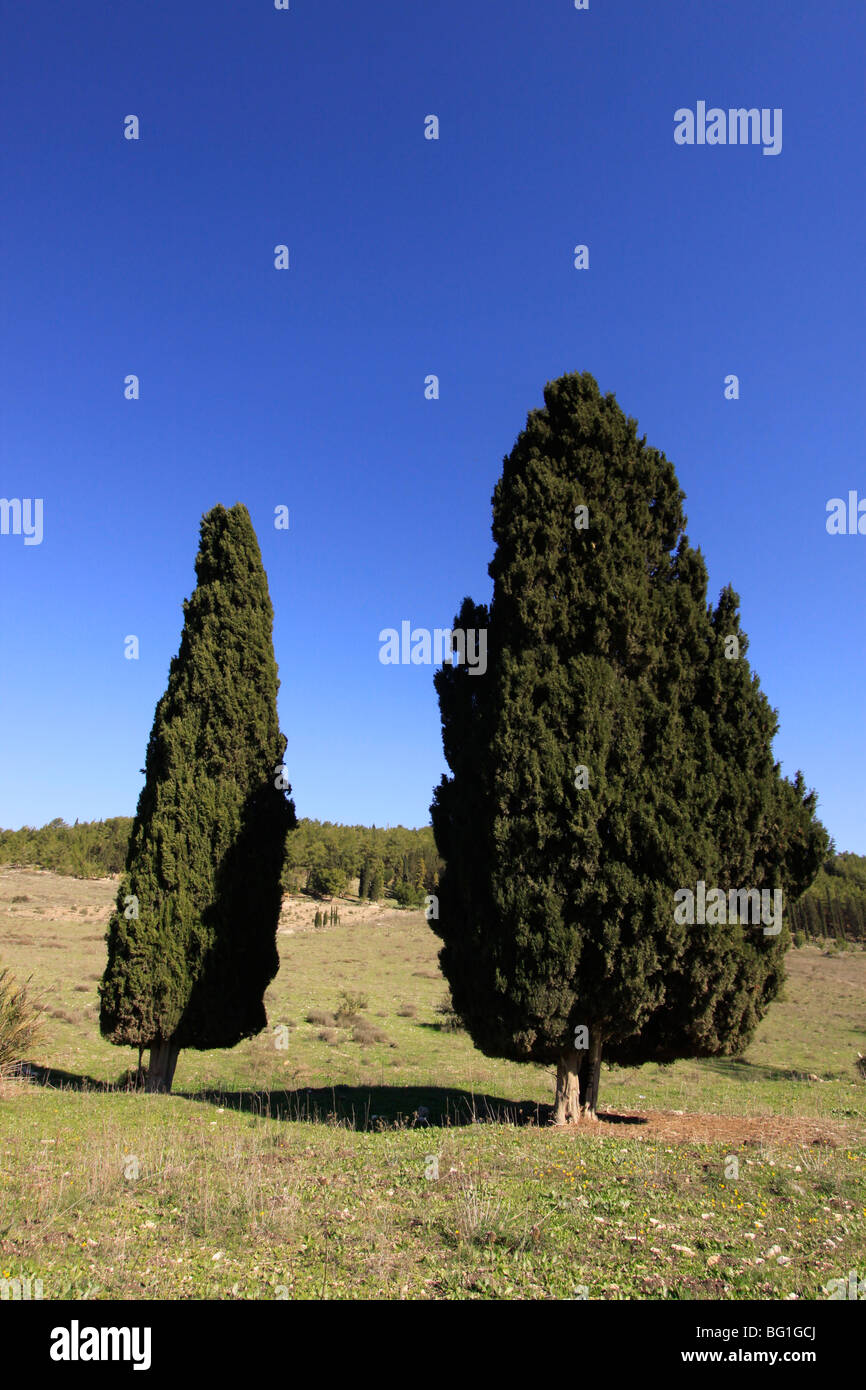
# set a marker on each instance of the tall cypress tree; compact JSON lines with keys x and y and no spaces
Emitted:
{"x":192,"y":941}
{"x":617,"y":749}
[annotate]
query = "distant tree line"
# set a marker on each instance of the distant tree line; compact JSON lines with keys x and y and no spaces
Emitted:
{"x":835,"y":904}
{"x":322,"y":858}
{"x":396,"y":862}
{"x":87,"y":849}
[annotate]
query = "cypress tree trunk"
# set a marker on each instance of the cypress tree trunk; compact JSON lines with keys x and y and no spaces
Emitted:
{"x":590,"y":1071}
{"x":160,"y":1072}
{"x":566,"y":1110}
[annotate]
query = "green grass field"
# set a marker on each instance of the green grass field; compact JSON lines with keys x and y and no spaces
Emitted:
{"x":382,"y":1156}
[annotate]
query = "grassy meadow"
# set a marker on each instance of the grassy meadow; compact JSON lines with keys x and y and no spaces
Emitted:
{"x":362,"y":1148}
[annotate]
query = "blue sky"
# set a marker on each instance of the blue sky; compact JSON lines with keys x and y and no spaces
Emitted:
{"x":408,"y":257}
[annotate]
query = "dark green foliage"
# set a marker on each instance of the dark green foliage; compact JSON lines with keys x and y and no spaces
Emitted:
{"x":206,"y":849}
{"x":376,"y":890}
{"x":408,"y":894}
{"x":556,"y":905}
{"x":411,"y":880}
{"x":326,"y":883}
{"x":728,"y":976}
{"x":353,"y":848}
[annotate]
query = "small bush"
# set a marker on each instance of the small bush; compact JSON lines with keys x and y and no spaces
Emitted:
{"x":451,"y":1021}
{"x":20,"y":1020}
{"x":365,"y":1034}
{"x":349,"y":1007}
{"x":321,"y":1017}
{"x":21,"y":898}
{"x":329,"y":1035}
{"x":799,"y":939}
{"x":406,"y":1011}
{"x":133,"y":1079}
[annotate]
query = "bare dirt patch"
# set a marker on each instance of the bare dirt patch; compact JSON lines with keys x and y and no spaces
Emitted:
{"x":30,"y":893}
{"x":298,"y":914}
{"x":718,"y":1129}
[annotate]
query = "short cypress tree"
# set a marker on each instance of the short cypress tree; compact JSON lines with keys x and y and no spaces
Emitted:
{"x":617,"y":749}
{"x":192,"y":941}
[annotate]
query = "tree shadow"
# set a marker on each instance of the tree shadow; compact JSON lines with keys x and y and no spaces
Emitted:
{"x":392,"y":1107}
{"x":354,"y":1107}
{"x":54,"y":1078}
{"x":378,"y":1107}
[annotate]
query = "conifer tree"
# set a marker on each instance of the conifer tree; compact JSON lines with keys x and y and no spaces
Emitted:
{"x":192,"y":941}
{"x":376,"y":890}
{"x":617,"y":749}
{"x":420,"y":873}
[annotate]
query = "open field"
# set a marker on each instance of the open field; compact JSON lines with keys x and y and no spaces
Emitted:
{"x":298,"y":1164}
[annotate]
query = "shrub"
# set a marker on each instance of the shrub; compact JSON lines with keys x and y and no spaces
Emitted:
{"x":20,"y":1019}
{"x":133,"y":1079}
{"x":451,"y":1020}
{"x":321,"y":1017}
{"x":349,"y":1007}
{"x":365,"y":1034}
{"x":406,"y":1011}
{"x":799,"y":938}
